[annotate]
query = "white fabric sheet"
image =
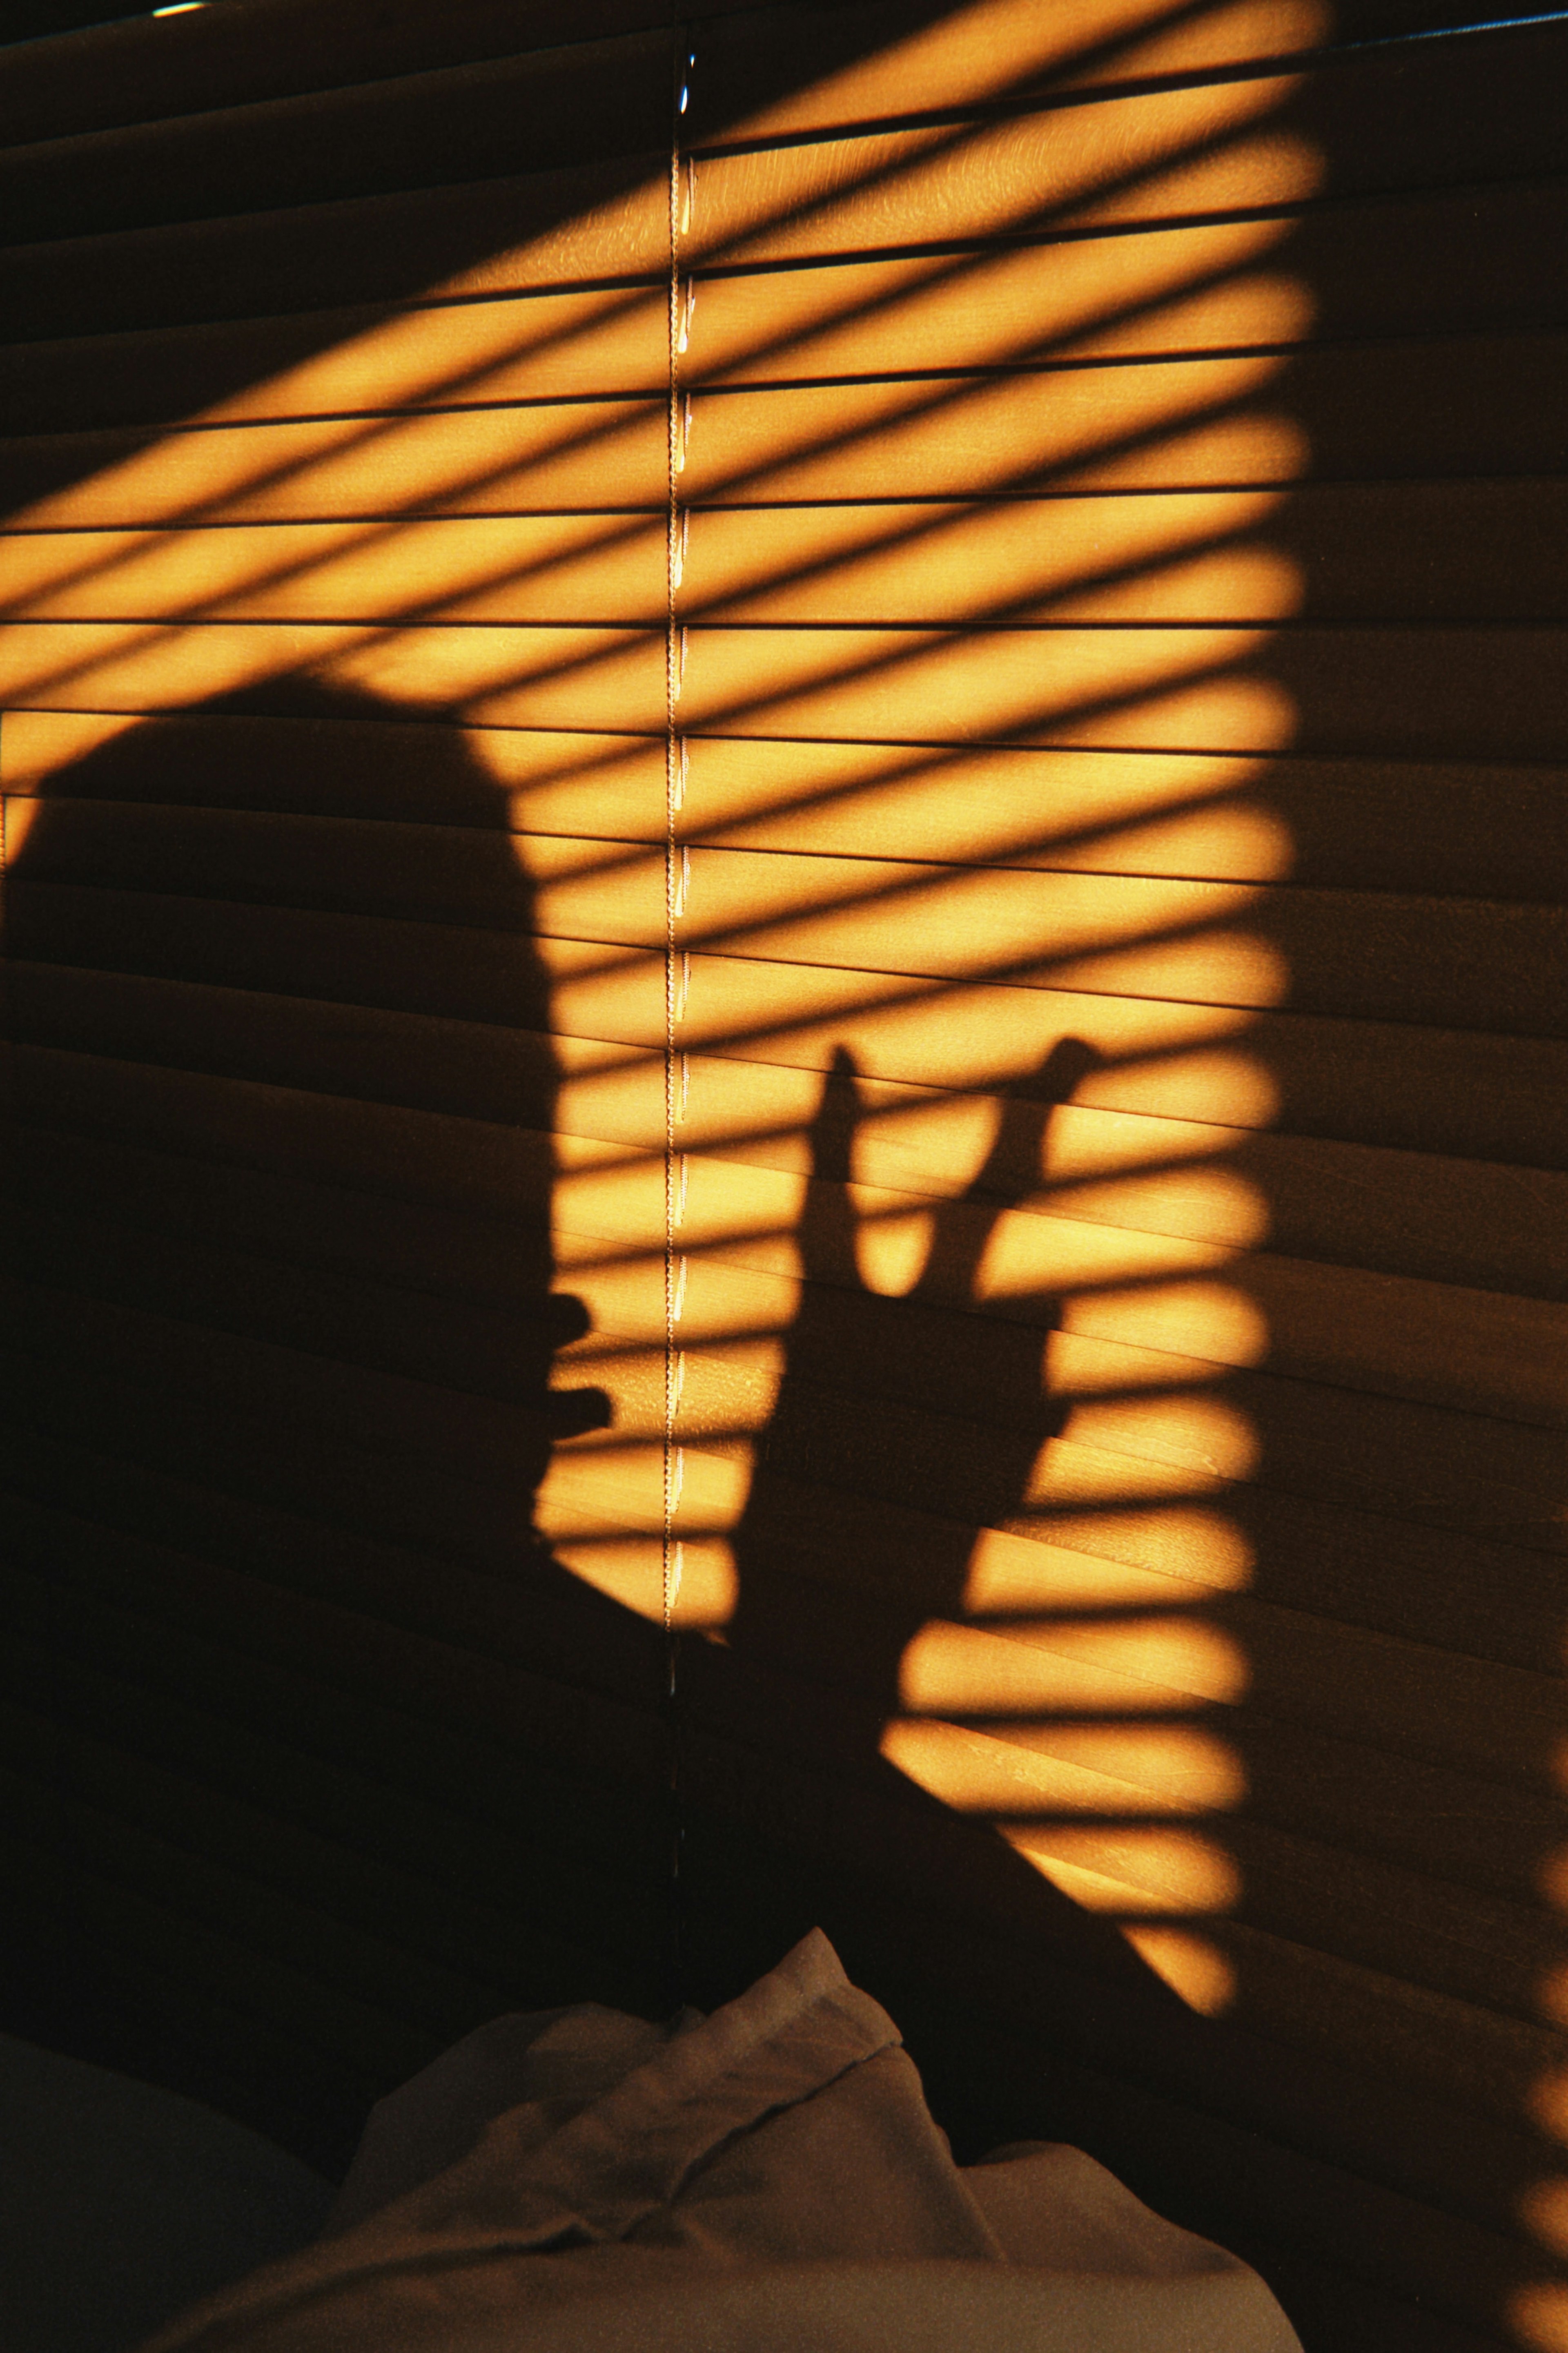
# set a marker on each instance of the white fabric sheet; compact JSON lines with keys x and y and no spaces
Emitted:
{"x":764,"y":2180}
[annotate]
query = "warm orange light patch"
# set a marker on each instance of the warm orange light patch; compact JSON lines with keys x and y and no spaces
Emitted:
{"x":557,"y":568}
{"x":1221,"y":967}
{"x":722,"y":1200}
{"x":1206,"y":1203}
{"x":891,"y":1250}
{"x":873,"y":439}
{"x":1224,"y":713}
{"x":891,"y":683}
{"x":536,"y":345}
{"x":1182,"y":150}
{"x":1127,"y":1872}
{"x":1181,"y":1427}
{"x":1200,"y":1319}
{"x":292,"y":469}
{"x":1157,"y":1663}
{"x":1084,"y":1142}
{"x":699,"y":1593}
{"x":1010,"y":1574}
{"x":911,"y":916}
{"x":1092,"y":1770}
{"x":1019,"y":807}
{"x":35,"y":744}
{"x":1540,"y":2313}
{"x":979,"y":51}
{"x":1191,"y":1965}
{"x":1018,"y":559}
{"x":1540,"y":2317}
{"x":1235,"y":1089}
{"x":1104,"y":299}
{"x":16,"y":819}
{"x":608,"y":1487}
{"x":1247,"y":843}
{"x":900,"y":1025}
{"x":1549,"y":2104}
{"x":1545,"y":2209}
{"x":1552,"y":1995}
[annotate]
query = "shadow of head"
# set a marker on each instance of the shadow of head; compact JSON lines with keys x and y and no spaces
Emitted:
{"x":284,"y":1080}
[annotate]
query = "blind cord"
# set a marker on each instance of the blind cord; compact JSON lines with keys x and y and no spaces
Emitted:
{"x":681,"y":63}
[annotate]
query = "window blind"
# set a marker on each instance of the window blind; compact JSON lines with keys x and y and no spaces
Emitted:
{"x":848,"y":719}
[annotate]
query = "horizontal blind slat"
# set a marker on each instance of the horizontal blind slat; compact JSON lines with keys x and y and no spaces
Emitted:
{"x":1346,"y":408}
{"x":269,"y":1749}
{"x":1483,"y":551}
{"x":363,"y":1927}
{"x":451,"y":1803}
{"x":112,"y":74}
{"x":484,"y":461}
{"x":1418,"y":1088}
{"x":438,"y":1391}
{"x":247,"y":1593}
{"x":1472,"y":260}
{"x":1391,"y":120}
{"x":1475,"y":831}
{"x":163,"y":1898}
{"x":1428,"y":829}
{"x":564,"y":676}
{"x":408,"y":772}
{"x":927,"y":59}
{"x":548,"y":345}
{"x":363,"y":1601}
{"x":591,"y":568}
{"x":886,"y":59}
{"x":560,"y":106}
{"x":1173,"y":558}
{"x":1413,"y":1090}
{"x":1449,"y":1219}
{"x":1005,"y":434}
{"x":1439,"y":692}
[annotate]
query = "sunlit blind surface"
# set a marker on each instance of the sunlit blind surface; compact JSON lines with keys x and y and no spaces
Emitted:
{"x":784,"y":1144}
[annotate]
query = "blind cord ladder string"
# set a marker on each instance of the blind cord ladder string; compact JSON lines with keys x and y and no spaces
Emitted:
{"x":681,"y":63}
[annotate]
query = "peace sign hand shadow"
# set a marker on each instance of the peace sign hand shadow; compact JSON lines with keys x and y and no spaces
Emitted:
{"x":894,"y":1405}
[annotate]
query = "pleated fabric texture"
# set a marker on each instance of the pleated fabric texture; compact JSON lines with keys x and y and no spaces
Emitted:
{"x":784,"y":1141}
{"x":769,"y":2175}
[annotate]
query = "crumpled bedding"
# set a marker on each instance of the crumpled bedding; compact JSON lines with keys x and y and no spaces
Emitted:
{"x":761,"y":2181}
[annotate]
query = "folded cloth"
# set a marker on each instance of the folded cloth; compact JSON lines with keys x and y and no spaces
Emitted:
{"x":764,"y":2180}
